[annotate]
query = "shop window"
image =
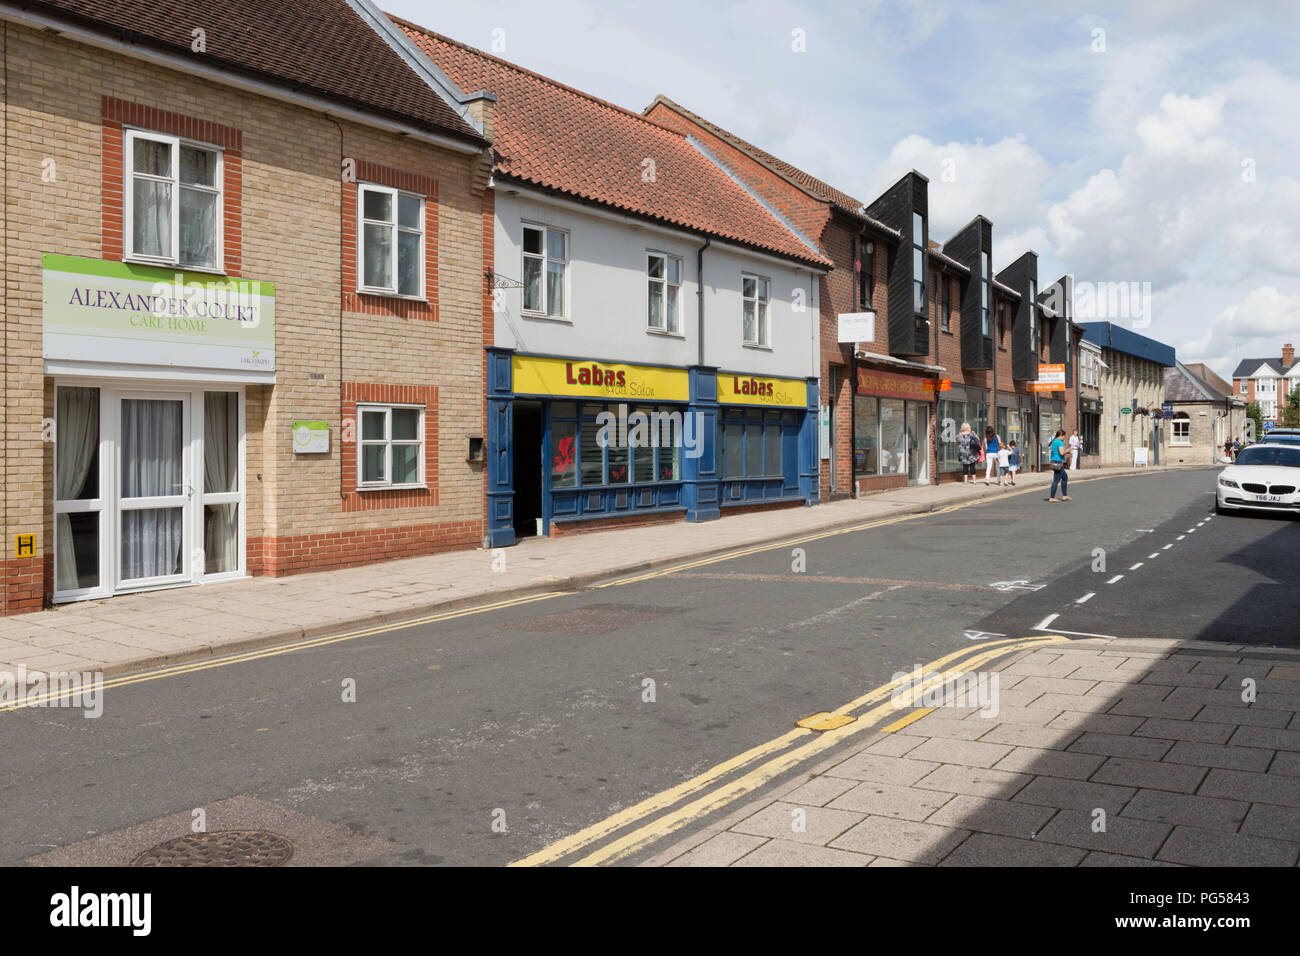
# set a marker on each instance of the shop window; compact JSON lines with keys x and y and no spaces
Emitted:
{"x":546,"y":267}
{"x":664,"y":279}
{"x":173,"y":201}
{"x":755,"y":302}
{"x":391,"y":446}
{"x":750,"y":443}
{"x":391,"y":241}
{"x":589,"y":450}
{"x":564,"y":454}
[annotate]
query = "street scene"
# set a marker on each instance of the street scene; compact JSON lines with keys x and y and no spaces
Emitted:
{"x":472,"y":436}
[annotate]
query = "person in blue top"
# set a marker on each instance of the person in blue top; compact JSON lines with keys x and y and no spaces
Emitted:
{"x":1059,"y":474}
{"x":992,"y":444}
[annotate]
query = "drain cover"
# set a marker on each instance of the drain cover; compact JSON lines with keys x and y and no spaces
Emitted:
{"x":220,"y":848}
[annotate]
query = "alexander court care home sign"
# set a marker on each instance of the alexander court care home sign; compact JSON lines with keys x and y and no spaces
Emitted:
{"x":113,"y":312}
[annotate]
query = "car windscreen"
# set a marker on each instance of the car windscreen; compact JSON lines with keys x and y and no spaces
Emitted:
{"x":1270,"y":455}
{"x":1281,"y":439}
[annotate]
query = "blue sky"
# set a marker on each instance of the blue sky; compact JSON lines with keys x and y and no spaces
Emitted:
{"x":1163,"y":151}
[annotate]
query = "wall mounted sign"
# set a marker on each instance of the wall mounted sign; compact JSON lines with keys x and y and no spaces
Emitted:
{"x":311,"y":438}
{"x":100,"y":311}
{"x":892,"y":385}
{"x":588,"y":378}
{"x":857,"y":327}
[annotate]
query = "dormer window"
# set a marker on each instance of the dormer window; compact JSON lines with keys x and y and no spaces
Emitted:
{"x":986,"y":328}
{"x":918,"y":263}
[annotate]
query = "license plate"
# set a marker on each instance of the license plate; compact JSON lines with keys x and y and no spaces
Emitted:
{"x":1268,"y":497}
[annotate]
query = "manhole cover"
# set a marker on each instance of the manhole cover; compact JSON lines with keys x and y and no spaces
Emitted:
{"x":220,"y":848}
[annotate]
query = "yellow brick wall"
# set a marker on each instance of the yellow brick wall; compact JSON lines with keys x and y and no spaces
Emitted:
{"x":291,"y":199}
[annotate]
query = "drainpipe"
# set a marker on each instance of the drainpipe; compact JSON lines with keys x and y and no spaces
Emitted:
{"x":699,"y":276}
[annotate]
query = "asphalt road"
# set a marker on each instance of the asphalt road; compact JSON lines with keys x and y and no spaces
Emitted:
{"x":539,"y":710}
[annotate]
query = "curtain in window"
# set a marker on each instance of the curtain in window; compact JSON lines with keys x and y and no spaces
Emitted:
{"x":151,"y":466}
{"x":77,"y":434}
{"x":151,"y":218}
{"x":220,"y":459}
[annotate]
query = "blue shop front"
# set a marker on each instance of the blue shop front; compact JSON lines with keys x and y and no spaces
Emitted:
{"x":574,"y":440}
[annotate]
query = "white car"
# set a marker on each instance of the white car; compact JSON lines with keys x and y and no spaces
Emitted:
{"x":1263,"y":478}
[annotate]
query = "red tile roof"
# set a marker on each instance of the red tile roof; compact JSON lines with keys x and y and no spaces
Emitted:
{"x":804,"y":180}
{"x":317,"y":47}
{"x":555,"y":137}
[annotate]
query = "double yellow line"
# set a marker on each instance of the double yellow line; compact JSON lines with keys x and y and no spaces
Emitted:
{"x":278,"y":649}
{"x":721,"y":793}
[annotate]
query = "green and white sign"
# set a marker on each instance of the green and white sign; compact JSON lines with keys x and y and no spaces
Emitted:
{"x":1126,"y":411}
{"x":100,"y":311}
{"x":311,"y":438}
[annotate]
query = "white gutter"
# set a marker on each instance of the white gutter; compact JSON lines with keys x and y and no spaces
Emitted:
{"x":636,"y":222}
{"x":183,"y":65}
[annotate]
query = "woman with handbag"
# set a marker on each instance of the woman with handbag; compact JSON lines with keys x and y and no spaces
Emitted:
{"x":968,"y":452}
{"x":1060,"y":475}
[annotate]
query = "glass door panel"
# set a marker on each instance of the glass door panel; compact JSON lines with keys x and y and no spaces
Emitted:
{"x":154,"y":492}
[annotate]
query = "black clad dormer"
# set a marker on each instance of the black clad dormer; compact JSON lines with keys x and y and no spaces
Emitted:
{"x":973,"y":248}
{"x":905,"y":207}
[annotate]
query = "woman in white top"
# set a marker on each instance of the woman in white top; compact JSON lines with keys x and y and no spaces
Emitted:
{"x":1076,"y":445}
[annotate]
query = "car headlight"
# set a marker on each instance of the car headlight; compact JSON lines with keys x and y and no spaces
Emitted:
{"x":1228,"y":483}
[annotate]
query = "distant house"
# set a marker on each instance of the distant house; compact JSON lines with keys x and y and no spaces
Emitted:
{"x":1267,"y":381}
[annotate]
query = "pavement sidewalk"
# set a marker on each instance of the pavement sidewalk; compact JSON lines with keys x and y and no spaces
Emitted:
{"x":131,"y":632}
{"x":1104,"y":753}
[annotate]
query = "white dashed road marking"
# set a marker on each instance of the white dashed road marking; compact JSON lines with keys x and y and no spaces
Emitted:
{"x":1153,"y":554}
{"x":1166,"y":547}
{"x":1086,"y":597}
{"x":1046,"y":622}
{"x":1114,"y":579}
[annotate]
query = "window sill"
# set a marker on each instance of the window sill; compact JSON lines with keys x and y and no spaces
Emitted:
{"x":217,"y":270}
{"x":415,"y":487}
{"x":385,"y":294}
{"x":761,"y":348}
{"x":547,"y":318}
{"x":664,"y":333}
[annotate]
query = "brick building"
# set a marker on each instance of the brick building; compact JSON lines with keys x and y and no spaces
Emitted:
{"x":950,"y":342}
{"x":1132,"y":378}
{"x":1267,"y":381}
{"x":244,"y":295}
{"x":1205,"y":415}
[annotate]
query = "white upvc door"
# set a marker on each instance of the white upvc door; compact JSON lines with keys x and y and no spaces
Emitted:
{"x":161,"y":502}
{"x":155,"y":489}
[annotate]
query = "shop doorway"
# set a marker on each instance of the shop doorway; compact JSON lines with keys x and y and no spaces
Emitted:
{"x":528,"y":468}
{"x":918,"y":444}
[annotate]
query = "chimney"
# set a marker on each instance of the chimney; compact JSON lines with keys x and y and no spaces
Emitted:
{"x":1288,"y":355}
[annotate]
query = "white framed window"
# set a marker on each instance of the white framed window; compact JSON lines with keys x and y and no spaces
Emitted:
{"x":1265,"y":386}
{"x":390,"y":241}
{"x":390,"y":446}
{"x":546,"y":270}
{"x":756,"y":314}
{"x":1182,"y":432}
{"x":663,"y":282}
{"x":1243,"y":387}
{"x":172,"y":203}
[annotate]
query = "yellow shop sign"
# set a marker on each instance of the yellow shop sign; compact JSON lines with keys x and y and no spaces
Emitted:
{"x":736,"y":389}
{"x":584,"y":378}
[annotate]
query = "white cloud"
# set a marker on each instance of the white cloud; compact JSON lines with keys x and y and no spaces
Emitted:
{"x":1256,"y":326}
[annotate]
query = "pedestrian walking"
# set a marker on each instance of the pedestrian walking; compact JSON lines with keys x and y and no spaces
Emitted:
{"x":1004,"y":464}
{"x":1227,"y":450}
{"x":968,"y":453}
{"x":1013,"y":460}
{"x":992,"y":445}
{"x":1076,"y":446}
{"x":1060,"y":474}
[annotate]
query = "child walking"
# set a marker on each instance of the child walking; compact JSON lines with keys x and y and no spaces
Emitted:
{"x":1013,"y":461}
{"x":1004,"y":465}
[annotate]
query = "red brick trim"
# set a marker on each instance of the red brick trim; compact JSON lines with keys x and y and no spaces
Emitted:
{"x":368,"y":303}
{"x":22,"y":584}
{"x":114,"y":114}
{"x":354,"y":392}
{"x":346,"y":549}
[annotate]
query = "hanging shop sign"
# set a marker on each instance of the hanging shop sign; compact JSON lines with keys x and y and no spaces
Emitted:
{"x":857,"y":327}
{"x":100,"y":311}
{"x":892,"y":385}
{"x":585,"y":378}
{"x":737,"y":389}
